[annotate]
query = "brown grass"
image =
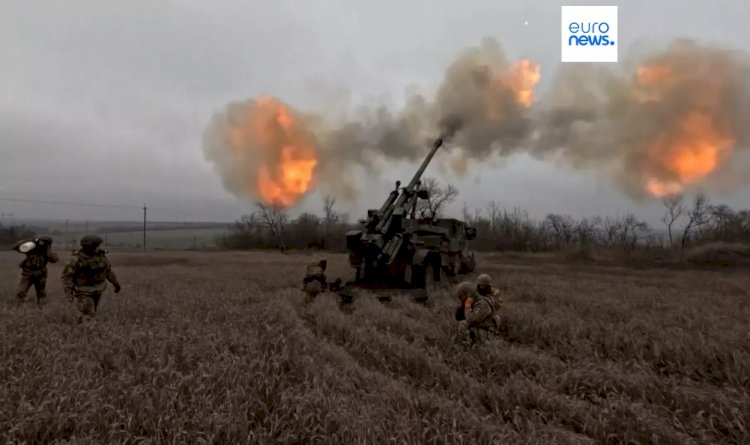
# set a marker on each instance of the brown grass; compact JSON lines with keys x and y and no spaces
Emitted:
{"x":219,"y":348}
{"x":720,"y":255}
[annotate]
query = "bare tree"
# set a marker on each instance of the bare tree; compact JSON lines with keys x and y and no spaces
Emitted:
{"x":586,"y":231}
{"x":304,"y":229}
{"x":723,"y":223}
{"x":243,"y":234}
{"x":562,"y":227}
{"x":632,"y":229}
{"x":697,"y":216}
{"x":611,"y":227}
{"x":439,"y":196}
{"x":493,"y":215}
{"x":275,"y":220}
{"x":331,"y":217}
{"x":468,"y":217}
{"x":674,"y":210}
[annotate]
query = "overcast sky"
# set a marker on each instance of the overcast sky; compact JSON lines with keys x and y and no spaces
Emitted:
{"x":108,"y":103}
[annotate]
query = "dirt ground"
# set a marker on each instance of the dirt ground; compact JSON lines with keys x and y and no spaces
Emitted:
{"x":219,"y":348}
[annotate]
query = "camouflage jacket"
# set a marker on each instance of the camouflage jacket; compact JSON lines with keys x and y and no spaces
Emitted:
{"x":85,"y":270}
{"x":481,"y":315}
{"x":36,"y":261}
{"x":478,"y":322}
{"x":495,"y":298}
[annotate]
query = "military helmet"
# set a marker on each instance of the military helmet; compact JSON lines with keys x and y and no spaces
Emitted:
{"x":44,"y":239}
{"x":464,"y":290}
{"x":484,"y":280}
{"x":91,"y":241}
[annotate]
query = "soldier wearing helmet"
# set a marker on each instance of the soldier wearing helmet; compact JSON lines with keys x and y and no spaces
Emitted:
{"x":485,"y":288}
{"x":38,"y":253}
{"x":477,"y":311}
{"x":315,"y":280}
{"x":465,"y":294}
{"x":85,"y":276}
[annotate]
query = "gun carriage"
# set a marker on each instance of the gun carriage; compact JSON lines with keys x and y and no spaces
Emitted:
{"x":399,"y":252}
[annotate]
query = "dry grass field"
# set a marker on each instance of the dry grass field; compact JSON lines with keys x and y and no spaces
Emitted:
{"x":219,"y":348}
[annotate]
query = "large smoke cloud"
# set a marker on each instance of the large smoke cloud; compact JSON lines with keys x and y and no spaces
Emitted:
{"x":481,"y":104}
{"x":654,"y":124}
{"x":659,"y":124}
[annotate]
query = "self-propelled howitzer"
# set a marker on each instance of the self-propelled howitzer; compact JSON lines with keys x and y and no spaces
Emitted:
{"x":396,"y":249}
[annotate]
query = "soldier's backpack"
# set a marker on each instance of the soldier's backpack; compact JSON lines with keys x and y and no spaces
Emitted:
{"x":90,"y":269}
{"x":496,"y":298}
{"x":495,"y":329}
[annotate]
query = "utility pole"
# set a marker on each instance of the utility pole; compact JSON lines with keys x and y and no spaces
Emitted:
{"x":144,"y":226}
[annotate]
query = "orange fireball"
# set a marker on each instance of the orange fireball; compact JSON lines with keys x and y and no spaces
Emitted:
{"x":284,"y":152}
{"x":520,"y":80}
{"x":695,"y":140}
{"x":293,"y":177}
{"x":695,"y":151}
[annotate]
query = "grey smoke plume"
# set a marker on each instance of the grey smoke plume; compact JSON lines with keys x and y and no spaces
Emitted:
{"x":656,"y":123}
{"x":670,"y":121}
{"x":482,"y":104}
{"x":477,"y":105}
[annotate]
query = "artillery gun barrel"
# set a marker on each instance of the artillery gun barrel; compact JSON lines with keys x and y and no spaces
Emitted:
{"x":409,"y":189}
{"x":437,"y":144}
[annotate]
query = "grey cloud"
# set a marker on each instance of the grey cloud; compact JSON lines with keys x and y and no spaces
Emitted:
{"x":128,"y":89}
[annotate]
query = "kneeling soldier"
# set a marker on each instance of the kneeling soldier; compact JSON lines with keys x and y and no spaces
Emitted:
{"x":477,"y":313}
{"x":315,"y":280}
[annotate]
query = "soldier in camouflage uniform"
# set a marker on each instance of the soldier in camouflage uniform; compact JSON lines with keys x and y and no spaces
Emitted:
{"x":315,"y":280}
{"x":477,"y":314}
{"x":485,"y":288}
{"x":465,"y":294}
{"x":34,"y":269}
{"x":85,"y":277}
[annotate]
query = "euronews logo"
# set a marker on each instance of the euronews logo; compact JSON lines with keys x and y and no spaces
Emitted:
{"x":589,"y":34}
{"x":586,"y":34}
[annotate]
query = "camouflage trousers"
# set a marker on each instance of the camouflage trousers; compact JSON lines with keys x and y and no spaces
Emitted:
{"x":39,"y":281}
{"x":86,"y":299}
{"x":472,"y":336}
{"x":86,"y":304}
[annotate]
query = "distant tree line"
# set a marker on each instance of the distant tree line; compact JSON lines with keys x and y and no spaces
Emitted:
{"x":685,"y":224}
{"x":271,"y":228}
